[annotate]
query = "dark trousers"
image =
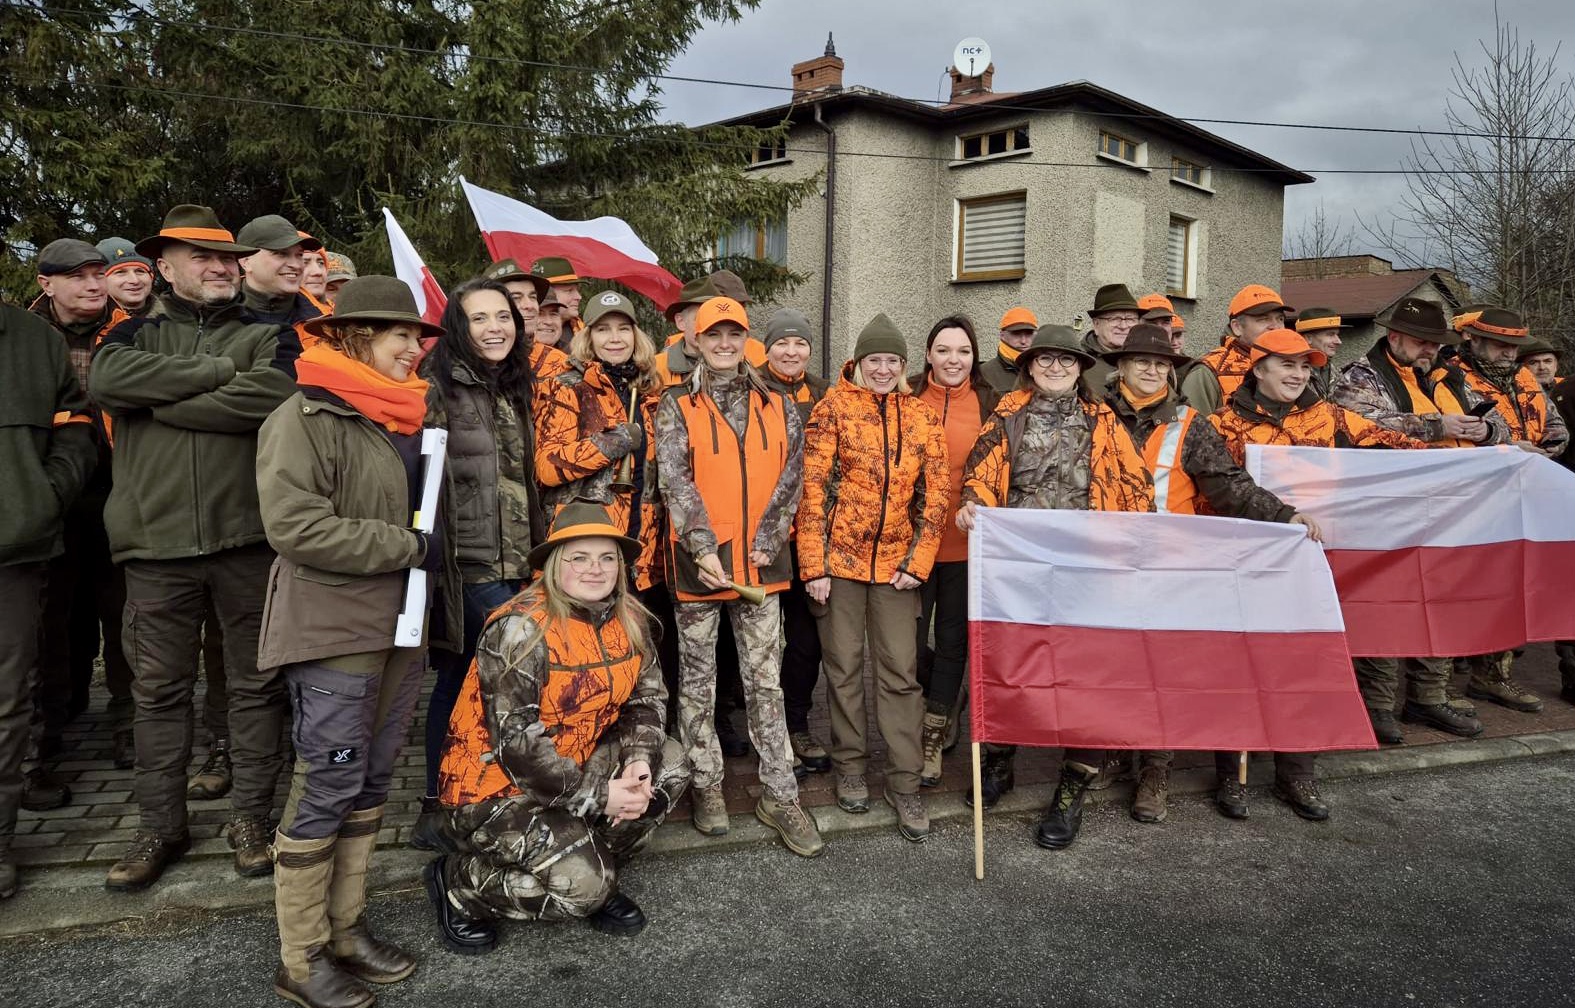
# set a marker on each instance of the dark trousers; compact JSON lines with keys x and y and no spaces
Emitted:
{"x":166,"y":603}
{"x":801,"y":656}
{"x":216,"y":698}
{"x":943,"y":599}
{"x":659,"y":601}
{"x":86,"y":602}
{"x":21,"y":610}
{"x":1288,"y":766}
{"x":480,"y":600}
{"x":348,"y":730}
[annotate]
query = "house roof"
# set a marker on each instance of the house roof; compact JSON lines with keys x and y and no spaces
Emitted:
{"x":1080,"y":96}
{"x":1357,"y":296}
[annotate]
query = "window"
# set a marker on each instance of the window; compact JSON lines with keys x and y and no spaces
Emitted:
{"x":1181,"y":257}
{"x":1190,"y":174}
{"x":768,"y":151}
{"x":983,"y":145}
{"x":748,"y":240}
{"x":1120,"y":148}
{"x":990,"y":233}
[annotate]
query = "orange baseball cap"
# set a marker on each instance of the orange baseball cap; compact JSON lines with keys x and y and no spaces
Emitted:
{"x":1285,"y":343}
{"x":720,"y":309}
{"x":1019,"y":318}
{"x":1151,"y":301}
{"x":1177,"y":323}
{"x":1255,"y":299}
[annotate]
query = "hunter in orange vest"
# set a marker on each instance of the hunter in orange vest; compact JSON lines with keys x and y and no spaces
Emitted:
{"x":1491,"y":365}
{"x":557,"y":765}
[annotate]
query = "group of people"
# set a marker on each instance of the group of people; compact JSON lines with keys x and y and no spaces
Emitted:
{"x":633,"y":536}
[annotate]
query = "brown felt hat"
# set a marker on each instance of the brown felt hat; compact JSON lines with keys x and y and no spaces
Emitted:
{"x":1494,"y":323}
{"x":1146,"y":339}
{"x":376,"y":300}
{"x":1423,"y":320}
{"x":582,"y":520}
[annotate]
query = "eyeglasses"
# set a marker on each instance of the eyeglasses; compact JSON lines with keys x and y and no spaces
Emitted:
{"x":582,"y":563}
{"x":1150,"y":364}
{"x":1048,"y":362}
{"x":1127,"y":319}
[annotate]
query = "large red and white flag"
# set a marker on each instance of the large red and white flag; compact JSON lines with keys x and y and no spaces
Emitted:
{"x":1152,"y":631}
{"x":606,"y":247}
{"x":412,"y":269}
{"x":1437,"y":553}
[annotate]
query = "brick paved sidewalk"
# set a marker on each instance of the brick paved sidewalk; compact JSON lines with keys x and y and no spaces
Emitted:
{"x":94,"y":828}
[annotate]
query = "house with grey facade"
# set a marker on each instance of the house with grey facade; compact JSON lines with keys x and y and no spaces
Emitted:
{"x":995,"y":199}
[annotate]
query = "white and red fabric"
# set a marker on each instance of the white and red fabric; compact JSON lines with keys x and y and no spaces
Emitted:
{"x":606,"y":247}
{"x":412,"y":269}
{"x":1437,"y":553}
{"x":1153,"y":631}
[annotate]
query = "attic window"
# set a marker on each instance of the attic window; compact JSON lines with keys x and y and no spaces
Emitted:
{"x":978,"y":146}
{"x":1190,"y":174}
{"x":768,"y":152}
{"x":1119,"y":148}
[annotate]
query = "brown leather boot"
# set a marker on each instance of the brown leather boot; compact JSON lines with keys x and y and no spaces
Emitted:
{"x":248,"y":837}
{"x":307,"y":973}
{"x":356,"y":950}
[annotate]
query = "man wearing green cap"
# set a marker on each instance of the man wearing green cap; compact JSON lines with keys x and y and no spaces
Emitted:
{"x":559,"y":272}
{"x":187,"y":387}
{"x":1114,"y":313}
{"x":271,"y":288}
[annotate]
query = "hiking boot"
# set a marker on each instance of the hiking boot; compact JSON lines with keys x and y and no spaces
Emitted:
{"x":42,"y":791}
{"x":853,"y":793}
{"x":1457,"y":702}
{"x":809,"y":751}
{"x":913,"y":822}
{"x":1231,"y":797}
{"x":124,"y":748}
{"x":1064,"y":817}
{"x":620,"y":915}
{"x":1109,"y":772}
{"x":793,"y":824}
{"x":1385,"y":728}
{"x":325,"y":985}
{"x":144,"y":861}
{"x":212,"y":779}
{"x":1302,"y":796}
{"x":709,"y":810}
{"x":995,"y":778}
{"x":429,"y":832}
{"x":1441,"y":717}
{"x":1150,"y":799}
{"x":249,"y":838}
{"x":1505,"y":692}
{"x":932,"y":741}
{"x":733,"y":744}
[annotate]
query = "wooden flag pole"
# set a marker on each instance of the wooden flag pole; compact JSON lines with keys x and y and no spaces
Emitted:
{"x":1241,"y":768}
{"x":978,"y":817}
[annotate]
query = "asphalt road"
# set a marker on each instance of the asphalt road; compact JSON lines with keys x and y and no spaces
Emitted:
{"x":1440,"y":888}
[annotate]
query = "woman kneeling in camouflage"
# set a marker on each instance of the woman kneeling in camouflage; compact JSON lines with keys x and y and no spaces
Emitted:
{"x":557,"y":766}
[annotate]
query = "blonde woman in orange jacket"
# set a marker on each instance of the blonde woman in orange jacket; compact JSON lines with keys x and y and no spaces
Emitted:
{"x":875,"y":496}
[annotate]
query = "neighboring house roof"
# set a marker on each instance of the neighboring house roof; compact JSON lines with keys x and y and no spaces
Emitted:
{"x":1074,"y":95}
{"x":1362,"y":296}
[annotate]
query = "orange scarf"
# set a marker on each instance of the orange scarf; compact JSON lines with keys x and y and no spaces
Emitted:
{"x":1142,"y":402}
{"x":398,"y":406}
{"x":1007,"y":354}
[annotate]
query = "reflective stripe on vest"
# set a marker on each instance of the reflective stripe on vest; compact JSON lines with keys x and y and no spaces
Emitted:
{"x":1173,"y":488}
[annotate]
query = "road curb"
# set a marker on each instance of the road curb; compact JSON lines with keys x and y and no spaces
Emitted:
{"x":59,"y":898}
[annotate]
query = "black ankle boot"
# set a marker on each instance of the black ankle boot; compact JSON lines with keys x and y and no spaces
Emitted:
{"x":1064,"y":817}
{"x":995,"y":778}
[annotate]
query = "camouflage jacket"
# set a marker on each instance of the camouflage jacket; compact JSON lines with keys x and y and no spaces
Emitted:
{"x":1370,"y":387}
{"x":1526,"y":409}
{"x":685,"y":509}
{"x":1052,"y":459}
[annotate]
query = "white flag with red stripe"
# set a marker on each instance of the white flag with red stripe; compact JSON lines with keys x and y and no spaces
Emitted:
{"x":1437,"y":553}
{"x":409,"y":267}
{"x":606,"y":247}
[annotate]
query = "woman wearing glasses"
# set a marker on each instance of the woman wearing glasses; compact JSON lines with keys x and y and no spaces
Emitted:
{"x":1049,"y":444}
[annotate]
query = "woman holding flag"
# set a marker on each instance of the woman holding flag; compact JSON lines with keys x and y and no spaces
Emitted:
{"x":338,"y":477}
{"x":1048,"y":445}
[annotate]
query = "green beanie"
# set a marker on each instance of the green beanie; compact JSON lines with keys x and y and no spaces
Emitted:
{"x":880,"y":335}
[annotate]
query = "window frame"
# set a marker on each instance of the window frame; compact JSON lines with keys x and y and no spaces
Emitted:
{"x":1189,"y":255}
{"x":960,"y":221}
{"x":760,"y":241}
{"x":778,"y":156}
{"x":1205,"y":180}
{"x":1139,"y":159}
{"x":983,"y":136}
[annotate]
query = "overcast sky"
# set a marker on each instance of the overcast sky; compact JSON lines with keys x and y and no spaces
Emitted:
{"x":1383,"y":63}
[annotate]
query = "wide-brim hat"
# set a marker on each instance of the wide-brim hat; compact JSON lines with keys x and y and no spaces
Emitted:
{"x":730,"y":285}
{"x":1535,"y":346}
{"x":374,"y":300}
{"x":582,"y":520}
{"x":555,"y":270}
{"x":1113,"y":297}
{"x":694,"y":292}
{"x":1499,"y":324}
{"x":1146,"y":339}
{"x":1318,"y":319}
{"x":505,"y":270}
{"x":1057,"y":339}
{"x":193,"y":225}
{"x":1423,"y":320}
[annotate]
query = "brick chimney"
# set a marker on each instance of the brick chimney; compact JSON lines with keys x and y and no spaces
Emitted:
{"x":966,"y":88}
{"x":821,"y":75}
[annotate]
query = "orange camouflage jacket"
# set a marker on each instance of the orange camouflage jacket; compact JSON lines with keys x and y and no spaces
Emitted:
{"x":1311,"y":422}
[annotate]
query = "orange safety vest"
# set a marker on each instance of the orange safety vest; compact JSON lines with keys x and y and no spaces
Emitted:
{"x":735,"y":480}
{"x":1174,"y":491}
{"x":1440,"y":402}
{"x":591,"y":673}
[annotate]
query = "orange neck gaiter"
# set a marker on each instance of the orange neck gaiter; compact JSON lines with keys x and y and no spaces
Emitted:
{"x":1142,"y":402}
{"x":397,"y":406}
{"x":1007,"y":354}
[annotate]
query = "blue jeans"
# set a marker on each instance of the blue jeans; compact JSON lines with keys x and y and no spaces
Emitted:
{"x":480,"y":600}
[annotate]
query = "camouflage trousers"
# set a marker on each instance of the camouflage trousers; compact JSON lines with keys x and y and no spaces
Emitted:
{"x":1379,"y":680}
{"x":758,"y":631}
{"x":521,"y":861}
{"x":1488,"y":668}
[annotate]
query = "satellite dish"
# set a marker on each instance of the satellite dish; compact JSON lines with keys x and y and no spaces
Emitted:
{"x":971,"y":57}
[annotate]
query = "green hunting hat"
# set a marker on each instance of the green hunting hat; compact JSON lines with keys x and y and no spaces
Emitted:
{"x":66,"y":254}
{"x":694,"y":292}
{"x":785,"y":322}
{"x":1535,"y":346}
{"x":1423,"y":320}
{"x":556,"y":269}
{"x":194,"y":225}
{"x":275,"y":234}
{"x":1495,"y":324}
{"x":582,"y":520}
{"x":1112,"y":297}
{"x":122,"y":252}
{"x":505,"y":270}
{"x":880,"y":335}
{"x":1318,"y":319}
{"x":373,"y":299}
{"x":1058,"y":339}
{"x":608,"y":303}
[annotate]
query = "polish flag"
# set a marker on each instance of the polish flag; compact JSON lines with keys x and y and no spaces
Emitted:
{"x":1437,"y":553}
{"x":1153,"y":631}
{"x":409,"y":267}
{"x":606,"y":247}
